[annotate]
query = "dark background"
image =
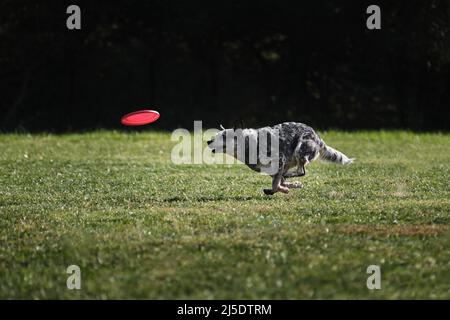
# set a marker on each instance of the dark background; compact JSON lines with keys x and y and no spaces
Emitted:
{"x":262,"y":62}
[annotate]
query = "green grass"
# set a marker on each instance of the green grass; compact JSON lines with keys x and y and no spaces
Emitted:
{"x":141,"y":227}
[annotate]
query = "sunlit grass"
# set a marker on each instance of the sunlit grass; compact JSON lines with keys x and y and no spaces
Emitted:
{"x":141,"y":227}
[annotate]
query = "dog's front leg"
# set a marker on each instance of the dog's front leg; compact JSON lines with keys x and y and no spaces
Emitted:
{"x":276,"y":185}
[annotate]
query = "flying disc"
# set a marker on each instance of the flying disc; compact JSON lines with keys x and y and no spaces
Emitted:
{"x":140,"y":118}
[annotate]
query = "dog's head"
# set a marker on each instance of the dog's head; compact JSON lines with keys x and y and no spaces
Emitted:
{"x":224,"y":141}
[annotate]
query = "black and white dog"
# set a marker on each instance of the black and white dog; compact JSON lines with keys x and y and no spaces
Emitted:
{"x":275,"y":150}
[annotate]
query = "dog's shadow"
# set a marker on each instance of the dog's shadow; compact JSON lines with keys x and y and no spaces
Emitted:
{"x":222,"y":197}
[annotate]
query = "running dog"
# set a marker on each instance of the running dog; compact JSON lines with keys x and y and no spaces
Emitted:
{"x":287,"y":145}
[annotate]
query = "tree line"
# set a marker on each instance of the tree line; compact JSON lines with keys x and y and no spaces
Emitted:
{"x":224,"y":62}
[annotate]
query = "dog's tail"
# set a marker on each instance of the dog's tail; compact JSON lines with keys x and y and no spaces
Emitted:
{"x":332,"y":155}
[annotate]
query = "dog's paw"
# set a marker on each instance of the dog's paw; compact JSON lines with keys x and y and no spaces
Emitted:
{"x":268,"y":192}
{"x":295,"y":185}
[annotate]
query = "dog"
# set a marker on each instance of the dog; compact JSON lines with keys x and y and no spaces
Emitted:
{"x":289,"y":145}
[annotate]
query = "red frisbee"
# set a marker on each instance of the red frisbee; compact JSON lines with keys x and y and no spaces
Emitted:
{"x":140,"y":118}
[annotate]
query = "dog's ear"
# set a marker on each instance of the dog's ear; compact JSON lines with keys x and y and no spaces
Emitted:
{"x":221,"y":127}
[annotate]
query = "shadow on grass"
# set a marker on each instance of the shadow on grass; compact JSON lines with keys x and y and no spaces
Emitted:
{"x":222,"y":197}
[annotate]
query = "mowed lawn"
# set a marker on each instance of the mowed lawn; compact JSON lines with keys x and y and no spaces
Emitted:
{"x":140,"y":226}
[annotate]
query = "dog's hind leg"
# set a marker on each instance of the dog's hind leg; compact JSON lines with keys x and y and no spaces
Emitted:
{"x":276,"y":185}
{"x":297,"y":173}
{"x":300,"y":172}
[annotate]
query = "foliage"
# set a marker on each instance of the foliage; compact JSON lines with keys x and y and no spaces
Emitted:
{"x":224,"y":61}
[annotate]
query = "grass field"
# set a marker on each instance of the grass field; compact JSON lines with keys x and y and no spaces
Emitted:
{"x":141,"y":227}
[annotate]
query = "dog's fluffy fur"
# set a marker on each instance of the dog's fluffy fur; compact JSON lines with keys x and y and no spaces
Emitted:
{"x":298,"y":145}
